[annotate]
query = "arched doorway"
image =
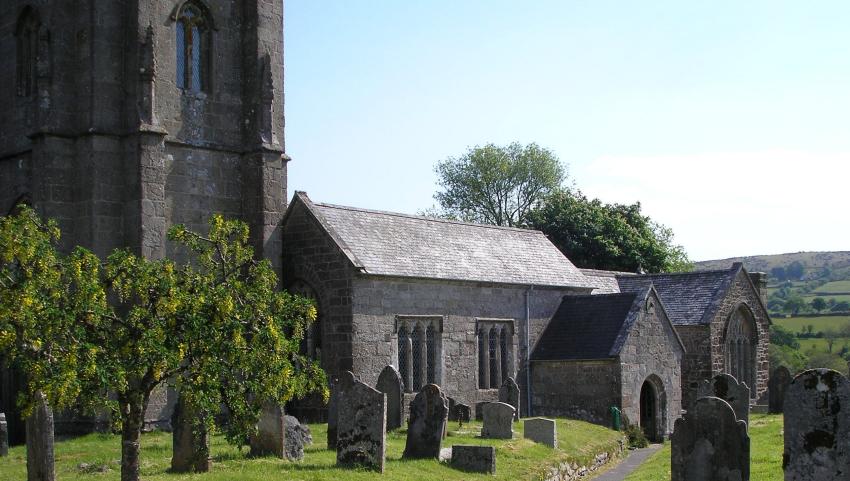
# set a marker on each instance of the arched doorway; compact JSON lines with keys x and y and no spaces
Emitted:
{"x":741,"y":346}
{"x":653,"y":409}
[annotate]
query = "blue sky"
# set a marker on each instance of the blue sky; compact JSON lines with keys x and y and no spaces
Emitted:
{"x":729,"y":121}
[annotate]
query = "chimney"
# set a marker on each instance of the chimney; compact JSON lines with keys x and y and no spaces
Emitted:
{"x":759,"y":280}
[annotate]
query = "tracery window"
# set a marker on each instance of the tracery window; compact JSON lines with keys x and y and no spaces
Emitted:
{"x":740,"y":347}
{"x":26,"y":35}
{"x":193,"y":41}
{"x":419,"y":350}
{"x":495,"y":352}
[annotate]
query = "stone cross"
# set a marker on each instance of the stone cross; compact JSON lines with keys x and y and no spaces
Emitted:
{"x":817,"y":427}
{"x":509,"y":394}
{"x":429,"y":412}
{"x":779,"y":381}
{"x":498,"y":421}
{"x":40,"y":460}
{"x":730,"y":390}
{"x":190,"y":449}
{"x":389,"y":383}
{"x":710,"y":444}
{"x":297,"y":436}
{"x":4,"y":436}
{"x":476,"y":459}
{"x":361,"y":425}
{"x":540,"y":430}
{"x":269,"y":439}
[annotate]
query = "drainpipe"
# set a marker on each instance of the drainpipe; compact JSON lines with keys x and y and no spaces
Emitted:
{"x":528,"y":350}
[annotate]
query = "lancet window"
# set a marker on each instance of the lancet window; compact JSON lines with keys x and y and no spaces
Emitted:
{"x":495,"y":352}
{"x":419,"y":350}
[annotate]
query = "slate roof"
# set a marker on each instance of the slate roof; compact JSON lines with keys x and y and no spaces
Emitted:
{"x":586,"y":327}
{"x":400,"y":245}
{"x":691,"y":298}
{"x":604,"y":282}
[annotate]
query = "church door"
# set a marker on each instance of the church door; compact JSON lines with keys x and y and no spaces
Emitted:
{"x":649,"y":411}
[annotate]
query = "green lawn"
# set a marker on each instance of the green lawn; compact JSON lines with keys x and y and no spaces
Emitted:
{"x":515,"y":459}
{"x":796,"y":324}
{"x":766,"y":446}
{"x":835,"y":286}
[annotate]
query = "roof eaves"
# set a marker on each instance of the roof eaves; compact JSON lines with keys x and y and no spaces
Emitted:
{"x":631,"y":317}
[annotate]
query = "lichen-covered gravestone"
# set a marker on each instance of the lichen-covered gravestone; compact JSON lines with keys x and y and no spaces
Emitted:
{"x":297,"y":436}
{"x":269,"y":439}
{"x":509,"y":394}
{"x":389,"y":383}
{"x":40,"y":460}
{"x":190,"y":449}
{"x":817,"y":427}
{"x":428,"y":416}
{"x":4,"y":436}
{"x":540,"y":430}
{"x":361,"y":425}
{"x":338,"y":383}
{"x":498,"y":421}
{"x":476,"y":459}
{"x":730,"y":390}
{"x":710,"y":444}
{"x":778,"y":384}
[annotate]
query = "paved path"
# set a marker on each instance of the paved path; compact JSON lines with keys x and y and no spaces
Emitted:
{"x":629,"y":464}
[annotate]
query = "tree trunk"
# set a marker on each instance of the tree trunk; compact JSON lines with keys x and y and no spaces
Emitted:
{"x":132,"y":420}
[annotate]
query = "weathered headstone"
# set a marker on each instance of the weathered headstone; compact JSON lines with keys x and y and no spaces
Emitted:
{"x":476,"y":459}
{"x":389,"y":383}
{"x":428,"y":417}
{"x":817,"y":427}
{"x":710,"y":444}
{"x":361,"y":425}
{"x":297,"y":436}
{"x":338,"y":383}
{"x":40,"y":460}
{"x":778,"y":384}
{"x":509,"y":394}
{"x":462,"y":413}
{"x":4,"y":436}
{"x":190,"y":449}
{"x":730,"y":390}
{"x":540,"y":430}
{"x":498,"y":421}
{"x":269,"y":439}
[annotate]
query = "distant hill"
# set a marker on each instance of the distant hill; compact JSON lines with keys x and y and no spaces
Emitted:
{"x":812,"y":262}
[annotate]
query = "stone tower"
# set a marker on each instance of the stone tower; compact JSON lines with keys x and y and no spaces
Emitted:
{"x":119,"y":118}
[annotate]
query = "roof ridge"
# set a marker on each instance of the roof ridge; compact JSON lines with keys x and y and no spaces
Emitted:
{"x":659,"y":274}
{"x":425,"y":218}
{"x":595,"y":296}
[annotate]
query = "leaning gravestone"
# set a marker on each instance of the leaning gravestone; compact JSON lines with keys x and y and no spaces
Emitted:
{"x":428,"y":416}
{"x":476,"y":459}
{"x":498,"y":421}
{"x":40,"y":458}
{"x":389,"y":383}
{"x":269,"y":439}
{"x":540,"y":430}
{"x":778,"y":384}
{"x":509,"y":394}
{"x":361,"y":425}
{"x":4,"y":436}
{"x":190,"y":444}
{"x":297,"y":436}
{"x":730,"y":390}
{"x":817,"y":427}
{"x":710,"y":444}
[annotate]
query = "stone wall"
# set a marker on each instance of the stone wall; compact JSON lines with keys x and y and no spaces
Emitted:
{"x":576,"y":389}
{"x":696,"y":366}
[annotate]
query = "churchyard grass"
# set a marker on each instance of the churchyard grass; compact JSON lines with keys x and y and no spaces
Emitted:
{"x":766,"y":446}
{"x":517,"y":459}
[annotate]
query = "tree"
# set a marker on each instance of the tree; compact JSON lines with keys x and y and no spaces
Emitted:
{"x":786,"y":356}
{"x":778,"y":273}
{"x":783,"y":337}
{"x":830,"y":335}
{"x":794,"y":270}
{"x":794,"y":304}
{"x":818,"y":304}
{"x":616,"y":237}
{"x":497,"y":185}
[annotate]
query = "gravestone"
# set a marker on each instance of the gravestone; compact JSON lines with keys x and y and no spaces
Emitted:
{"x":462,"y":413}
{"x":710,"y":444}
{"x":498,"y":421}
{"x":730,"y":390}
{"x":361,"y":425}
{"x":509,"y":394}
{"x":297,"y":436}
{"x":344,"y":380}
{"x":428,"y":417}
{"x":479,"y":410}
{"x":190,"y":449}
{"x":476,"y":459}
{"x":452,"y":404}
{"x":269,"y":439}
{"x":778,"y":384}
{"x":40,"y":458}
{"x":817,"y":427}
{"x":389,"y":383}
{"x":540,"y":430}
{"x":4,"y":436}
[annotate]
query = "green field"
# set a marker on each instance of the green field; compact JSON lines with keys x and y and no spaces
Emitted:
{"x":838,"y":297}
{"x":835,"y":286}
{"x":820,"y":345}
{"x":797,"y":324}
{"x":766,"y":446}
{"x":519,"y":459}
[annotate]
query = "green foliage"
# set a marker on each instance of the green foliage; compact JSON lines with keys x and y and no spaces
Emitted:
{"x":778,"y":273}
{"x":497,"y":185}
{"x":783,"y":337}
{"x":794,"y":304}
{"x":636,"y":437}
{"x":827,"y":360}
{"x":616,"y":237}
{"x":794,"y":270}
{"x":787,"y":356}
{"x":818,"y":304}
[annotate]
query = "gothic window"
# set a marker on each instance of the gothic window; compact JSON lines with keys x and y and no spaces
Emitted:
{"x":419,"y":350}
{"x":193,"y":47}
{"x":311,"y":345}
{"x":27,"y":52}
{"x":740,"y":347}
{"x":495,"y":352}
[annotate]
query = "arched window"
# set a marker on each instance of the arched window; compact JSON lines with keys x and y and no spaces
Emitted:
{"x":26,"y":35}
{"x":741,"y":347}
{"x":193,"y":47}
{"x":419,"y":350}
{"x":311,"y":345}
{"x":495,"y":352}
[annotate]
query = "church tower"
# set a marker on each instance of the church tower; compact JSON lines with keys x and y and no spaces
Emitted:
{"x":123,"y":117}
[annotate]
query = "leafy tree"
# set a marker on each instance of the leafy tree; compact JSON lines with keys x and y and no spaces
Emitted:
{"x":618,"y":237}
{"x":794,"y":304}
{"x":831,"y":335}
{"x":841,"y":306}
{"x":786,"y":356}
{"x":818,"y":304}
{"x":783,"y":337}
{"x":826,"y":360}
{"x":778,"y":273}
{"x":497,"y":185}
{"x":794,"y":270}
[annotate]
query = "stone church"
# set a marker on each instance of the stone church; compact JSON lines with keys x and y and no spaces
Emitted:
{"x":121,"y":118}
